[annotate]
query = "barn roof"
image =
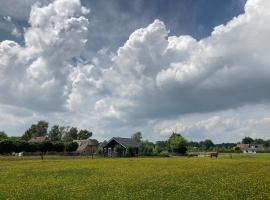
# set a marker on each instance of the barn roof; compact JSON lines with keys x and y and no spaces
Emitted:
{"x":126,"y":142}
{"x":83,"y":144}
{"x":39,"y":139}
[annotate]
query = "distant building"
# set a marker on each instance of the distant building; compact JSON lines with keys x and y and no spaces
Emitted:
{"x":125,"y":143}
{"x":39,"y":139}
{"x":250,"y":148}
{"x":86,"y":147}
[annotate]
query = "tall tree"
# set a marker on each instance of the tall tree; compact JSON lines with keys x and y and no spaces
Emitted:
{"x":71,"y":134}
{"x":137,"y":136}
{"x":84,"y":134}
{"x":177,"y":143}
{"x":3,"y":136}
{"x":207,"y":144}
{"x":247,"y":140}
{"x":56,"y":133}
{"x":39,"y":129}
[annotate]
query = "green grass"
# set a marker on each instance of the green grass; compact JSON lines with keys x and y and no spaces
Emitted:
{"x":242,"y":177}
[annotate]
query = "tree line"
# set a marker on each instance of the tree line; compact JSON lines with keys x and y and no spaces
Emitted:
{"x":60,"y":139}
{"x":56,"y":133}
{"x":176,"y":143}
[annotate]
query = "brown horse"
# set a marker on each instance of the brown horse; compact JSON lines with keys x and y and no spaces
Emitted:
{"x":214,"y":154}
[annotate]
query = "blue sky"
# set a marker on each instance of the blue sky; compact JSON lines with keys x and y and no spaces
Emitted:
{"x":198,"y":67}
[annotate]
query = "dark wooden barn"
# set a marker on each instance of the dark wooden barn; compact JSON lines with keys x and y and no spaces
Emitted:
{"x":121,"y":147}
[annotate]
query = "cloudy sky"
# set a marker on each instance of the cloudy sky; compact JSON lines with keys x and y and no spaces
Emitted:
{"x":198,"y":67}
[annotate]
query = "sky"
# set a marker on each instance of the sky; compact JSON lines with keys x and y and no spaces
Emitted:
{"x":197,"y":67}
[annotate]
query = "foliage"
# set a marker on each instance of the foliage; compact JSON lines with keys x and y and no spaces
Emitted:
{"x":146,"y":148}
{"x":247,"y":140}
{"x":3,"y":136}
{"x":119,"y":150}
{"x":39,"y":129}
{"x":71,"y":146}
{"x":207,"y":144}
{"x":6,"y":146}
{"x":56,"y":133}
{"x":84,"y":134}
{"x":137,"y":136}
{"x":161,"y":146}
{"x":131,"y":151}
{"x":164,"y":153}
{"x":177,"y":143}
{"x":71,"y":134}
{"x":94,"y":141}
{"x":58,"y":147}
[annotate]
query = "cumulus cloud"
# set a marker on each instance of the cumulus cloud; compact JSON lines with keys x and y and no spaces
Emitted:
{"x":36,"y":75}
{"x":220,"y":126}
{"x":153,"y":78}
{"x":161,"y":75}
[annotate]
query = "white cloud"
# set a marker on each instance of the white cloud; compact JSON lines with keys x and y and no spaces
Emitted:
{"x":152,"y":79}
{"x":36,"y":75}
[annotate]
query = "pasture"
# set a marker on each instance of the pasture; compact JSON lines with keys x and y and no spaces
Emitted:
{"x":242,"y":177}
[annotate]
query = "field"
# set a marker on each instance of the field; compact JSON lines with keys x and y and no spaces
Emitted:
{"x":241,"y":177}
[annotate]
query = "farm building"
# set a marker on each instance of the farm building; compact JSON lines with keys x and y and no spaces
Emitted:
{"x":86,"y":147}
{"x":250,"y":148}
{"x":39,"y":139}
{"x":121,"y":146}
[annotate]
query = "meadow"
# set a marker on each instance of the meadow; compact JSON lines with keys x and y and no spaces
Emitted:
{"x":242,"y":177}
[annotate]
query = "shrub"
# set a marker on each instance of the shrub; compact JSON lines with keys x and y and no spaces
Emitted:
{"x":6,"y":146}
{"x":119,"y":150}
{"x":71,"y":146}
{"x":58,"y":147}
{"x":131,"y":151}
{"x":164,"y":153}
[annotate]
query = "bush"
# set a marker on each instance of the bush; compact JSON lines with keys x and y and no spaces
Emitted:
{"x":131,"y":151}
{"x":6,"y":146}
{"x":164,"y":153}
{"x":58,"y":147}
{"x":182,"y":150}
{"x":71,"y":146}
{"x":119,"y":150}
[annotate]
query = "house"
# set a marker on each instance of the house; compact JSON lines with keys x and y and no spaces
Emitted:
{"x":125,"y":146}
{"x":250,"y":148}
{"x":86,"y":147}
{"x":39,"y":139}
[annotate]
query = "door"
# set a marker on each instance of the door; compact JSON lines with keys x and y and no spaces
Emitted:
{"x":110,"y":152}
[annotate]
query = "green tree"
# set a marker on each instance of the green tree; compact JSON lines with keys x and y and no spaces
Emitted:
{"x":71,"y":134}
{"x":44,"y":147}
{"x":207,"y":144}
{"x":71,"y":146}
{"x":137,"y":136}
{"x":161,"y":146}
{"x":3,"y":136}
{"x":146,"y":148}
{"x":177,"y":143}
{"x":95,"y":142}
{"x":56,"y":133}
{"x":119,"y":150}
{"x":131,"y":151}
{"x":39,"y":129}
{"x":84,"y":134}
{"x":6,"y":146}
{"x":247,"y":140}
{"x":58,"y":147}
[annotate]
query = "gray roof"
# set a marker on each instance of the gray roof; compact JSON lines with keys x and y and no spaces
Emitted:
{"x":39,"y":139}
{"x":83,"y":144}
{"x":126,"y":142}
